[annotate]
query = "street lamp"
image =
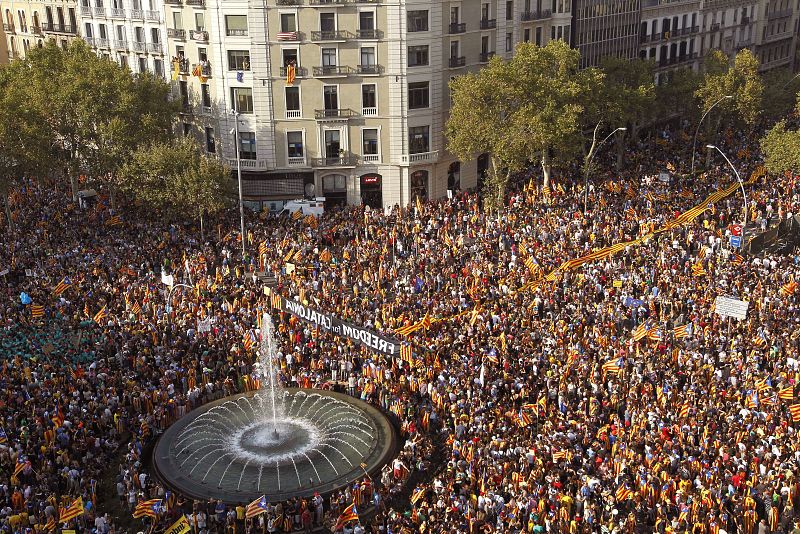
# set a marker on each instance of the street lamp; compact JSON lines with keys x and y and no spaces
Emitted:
{"x":235,"y":130}
{"x":737,"y":177}
{"x":694,"y":142}
{"x":589,"y":157}
{"x":790,"y":81}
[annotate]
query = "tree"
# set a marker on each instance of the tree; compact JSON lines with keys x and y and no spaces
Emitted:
{"x":741,"y":80}
{"x":781,"y":147}
{"x":676,"y":93}
{"x":780,"y":92}
{"x":525,"y":109}
{"x":176,"y":178}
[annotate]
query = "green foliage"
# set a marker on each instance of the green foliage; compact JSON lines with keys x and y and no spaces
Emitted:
{"x":782,"y":149}
{"x":177,"y":178}
{"x":676,"y":93}
{"x":629,"y":92}
{"x":741,"y":80}
{"x":520,"y":110}
{"x":780,"y":88}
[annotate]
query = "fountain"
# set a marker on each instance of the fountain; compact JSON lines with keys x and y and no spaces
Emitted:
{"x":282,"y":442}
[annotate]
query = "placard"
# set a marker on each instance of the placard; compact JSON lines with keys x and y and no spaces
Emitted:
{"x":728,"y":307}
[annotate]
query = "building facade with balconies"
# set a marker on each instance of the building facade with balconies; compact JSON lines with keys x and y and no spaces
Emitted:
{"x":27,"y":24}
{"x":776,"y":34}
{"x":670,"y":34}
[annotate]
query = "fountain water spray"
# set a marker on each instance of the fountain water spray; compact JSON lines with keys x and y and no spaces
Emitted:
{"x":267,"y":352}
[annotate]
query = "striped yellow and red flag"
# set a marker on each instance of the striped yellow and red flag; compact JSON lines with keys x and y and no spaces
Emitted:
{"x":72,"y":511}
{"x":794,"y":410}
{"x":37,"y":310}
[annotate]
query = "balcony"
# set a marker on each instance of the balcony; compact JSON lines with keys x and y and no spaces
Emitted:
{"x":247,"y":163}
{"x":330,"y":70}
{"x":371,"y":158}
{"x":288,"y":36}
{"x":196,"y":3}
{"x":369,"y":112}
{"x":296,"y":161}
{"x":299,"y":72}
{"x":59,"y":28}
{"x":294,"y":114}
{"x":155,"y":48}
{"x":370,"y":70}
{"x":120,"y":45}
{"x":331,"y":35}
{"x":777,"y":37}
{"x":779,"y":14}
{"x":199,"y":35}
{"x":528,"y":16}
{"x":137,"y":14}
{"x":745,"y":20}
{"x":175,"y":33}
{"x":289,"y":2}
{"x":37,"y":30}
{"x":488,"y":24}
{"x":326,"y":114}
{"x":153,"y":16}
{"x":86,"y":11}
{"x":714,"y":26}
{"x":98,"y":42}
{"x":183,"y":65}
{"x":486,"y":56}
{"x":117,"y":13}
{"x":232,"y":32}
{"x":138,"y":46}
{"x":420,"y":157}
{"x":205,"y":70}
{"x":327,"y":2}
{"x":370,"y":34}
{"x":457,"y":62}
{"x":99,"y":11}
{"x":345,"y":160}
{"x":457,"y":27}
{"x":677,"y":60}
{"x":8,"y":28}
{"x":173,"y":2}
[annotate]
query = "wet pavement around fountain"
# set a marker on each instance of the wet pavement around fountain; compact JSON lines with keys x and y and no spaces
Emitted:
{"x":594,"y":434}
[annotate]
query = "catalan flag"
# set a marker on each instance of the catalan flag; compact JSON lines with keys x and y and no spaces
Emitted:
{"x":51,"y":524}
{"x":523,"y":418}
{"x":654,"y":334}
{"x":249,"y":341}
{"x":684,"y":413}
{"x":37,"y":310}
{"x":419,"y":205}
{"x":136,"y":308}
{"x":62,"y":286}
{"x":58,"y":417}
{"x":114,"y":221}
{"x":418,"y":494}
{"x":297,"y":215}
{"x":760,"y":340}
{"x":99,"y":316}
{"x":683,"y":331}
{"x":613,"y":367}
{"x":794,"y":410}
{"x":350,"y":513}
{"x":623,"y":493}
{"x":149,"y":508}
{"x":630,"y":213}
{"x":786,"y":393}
{"x":262,"y":248}
{"x":407,"y":353}
{"x":560,"y":455}
{"x":256,"y":508}
{"x":788,"y":290}
{"x":736,"y":259}
{"x":72,"y":511}
{"x":698,"y":269}
{"x":752,"y":400}
{"x":640,"y":332}
{"x":21,"y":464}
{"x":532,"y":265}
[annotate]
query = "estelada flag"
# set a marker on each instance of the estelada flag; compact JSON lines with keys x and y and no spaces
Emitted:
{"x":72,"y":511}
{"x":349,"y":514}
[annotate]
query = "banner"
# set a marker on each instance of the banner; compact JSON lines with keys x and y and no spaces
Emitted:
{"x":338,"y":327}
{"x":181,"y":526}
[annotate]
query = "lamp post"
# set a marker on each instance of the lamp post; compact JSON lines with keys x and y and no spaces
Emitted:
{"x":790,"y":81}
{"x":589,"y":158}
{"x":694,"y":142}
{"x":235,"y":130}
{"x":744,"y":195}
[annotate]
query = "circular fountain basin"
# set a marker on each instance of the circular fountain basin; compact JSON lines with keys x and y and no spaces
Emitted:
{"x":231,"y":449}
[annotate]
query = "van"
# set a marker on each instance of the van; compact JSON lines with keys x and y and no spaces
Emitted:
{"x":314,"y":207}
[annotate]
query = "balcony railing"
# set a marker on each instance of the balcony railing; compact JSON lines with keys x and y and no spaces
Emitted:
{"x":59,"y":28}
{"x":37,"y":30}
{"x":296,"y":161}
{"x":183,"y":65}
{"x":199,"y":35}
{"x":137,"y":14}
{"x":369,"y":112}
{"x":152,"y":15}
{"x":176,"y":33}
{"x":205,"y":70}
{"x":233,"y":32}
{"x":536,"y":15}
{"x":155,"y":48}
{"x":173,"y":2}
{"x":138,"y":46}
{"x":99,"y":11}
{"x":331,"y":35}
{"x":456,"y":62}
{"x":367,"y":70}
{"x":714,"y":26}
{"x":488,"y":24}
{"x":196,"y":3}
{"x":347,"y":160}
{"x":779,"y":14}
{"x":419,"y":157}
{"x":334,"y":113}
{"x":486,"y":56}
{"x":289,"y":2}
{"x":327,"y":2}
{"x":294,"y":114}
{"x":677,"y":60}
{"x":457,"y":27}
{"x":331,"y":70}
{"x":120,"y":44}
{"x":299,"y":72}
{"x":97,"y":42}
{"x":369,"y":34}
{"x":86,"y":11}
{"x":117,"y":13}
{"x":371,"y":158}
{"x":777,"y":36}
{"x":745,"y":20}
{"x":8,"y":28}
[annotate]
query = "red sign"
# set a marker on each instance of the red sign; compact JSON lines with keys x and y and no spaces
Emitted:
{"x":736,"y":229}
{"x":370,"y":179}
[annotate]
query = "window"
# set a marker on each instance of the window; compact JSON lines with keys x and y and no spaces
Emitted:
{"x":242,"y":98}
{"x":368,"y":56}
{"x":247,"y":145}
{"x":418,"y":139}
{"x":236,"y":24}
{"x":120,"y":33}
{"x":509,"y":42}
{"x":332,"y":144}
{"x":368,"y":97}
{"x":330,"y":97}
{"x":205,"y":95}
{"x":177,"y":20}
{"x":123,"y":61}
{"x":327,"y":22}
{"x":155,"y":35}
{"x":89,"y":31}
{"x":485,"y":12}
{"x":211,"y":146}
{"x":418,"y":20}
{"x":199,"y":22}
{"x":509,"y":9}
{"x":418,"y":95}
{"x":292,"y":98}
{"x":187,"y":129}
{"x":138,"y":33}
{"x":366,"y":20}
{"x":369,"y":138}
{"x":454,"y":49}
{"x":328,"y":57}
{"x":527,"y":35}
{"x":289,"y":56}
{"x":484,"y":44}
{"x":294,"y":144}
{"x":158,"y":67}
{"x":417,"y":55}
{"x":538,"y":36}
{"x":288,"y":22}
{"x":238,"y":60}
{"x":103,"y":31}
{"x":143,"y":68}
{"x":454,"y":15}
{"x":183,"y":88}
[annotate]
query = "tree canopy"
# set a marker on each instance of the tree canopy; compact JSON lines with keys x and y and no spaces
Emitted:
{"x":740,"y":80}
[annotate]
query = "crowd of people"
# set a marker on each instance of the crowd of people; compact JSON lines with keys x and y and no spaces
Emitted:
{"x":609,"y":397}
